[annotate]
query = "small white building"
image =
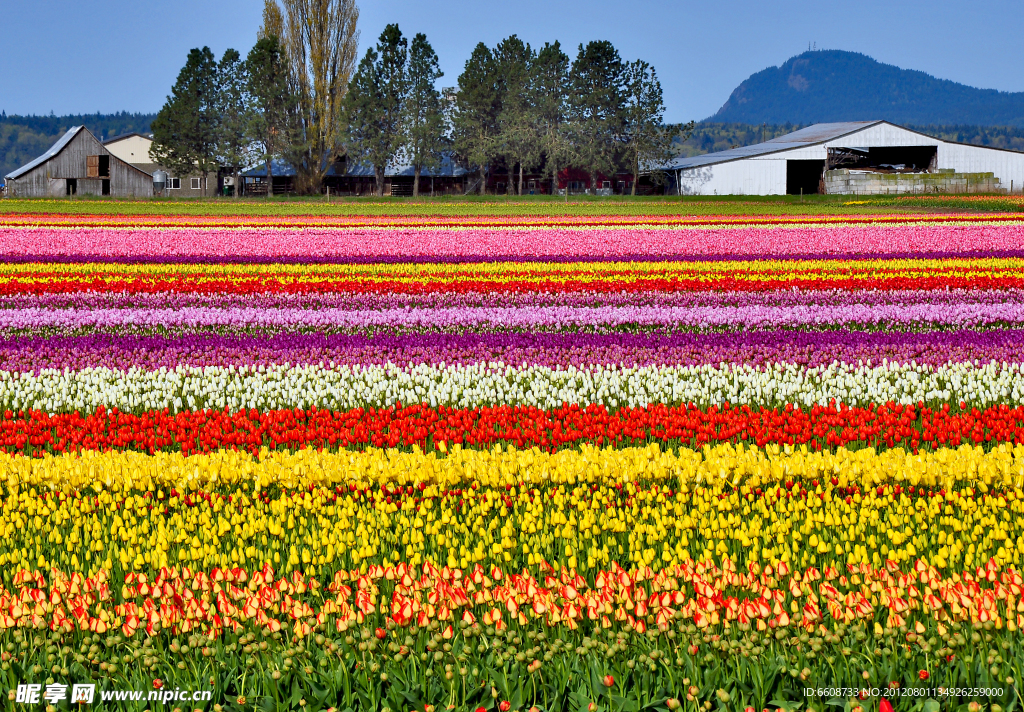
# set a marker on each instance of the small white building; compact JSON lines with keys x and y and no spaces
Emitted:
{"x":856,"y":157}
{"x":134,"y":148}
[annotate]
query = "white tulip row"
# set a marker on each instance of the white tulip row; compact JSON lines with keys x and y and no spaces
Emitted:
{"x":343,"y":387}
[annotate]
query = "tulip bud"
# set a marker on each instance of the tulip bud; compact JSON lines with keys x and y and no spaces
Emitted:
{"x":609,"y":681}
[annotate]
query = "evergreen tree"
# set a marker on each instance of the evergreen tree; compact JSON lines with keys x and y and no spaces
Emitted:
{"x":234,"y":149}
{"x":517,"y":136}
{"x":185,"y":130}
{"x":648,"y":142}
{"x":475,"y":120}
{"x":596,"y":108}
{"x":271,"y":101}
{"x":374,"y":103}
{"x":424,"y":111}
{"x":550,"y":78}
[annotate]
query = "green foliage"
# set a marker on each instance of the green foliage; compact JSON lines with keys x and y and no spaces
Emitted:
{"x":517,"y":137}
{"x":24,"y":138}
{"x":234,"y":146}
{"x":596,"y":107}
{"x":648,"y":142}
{"x":551,"y":97}
{"x":426,"y":123}
{"x":185,"y":130}
{"x":477,"y":105}
{"x":373,"y":107}
{"x":270,"y":98}
{"x":554,"y":669}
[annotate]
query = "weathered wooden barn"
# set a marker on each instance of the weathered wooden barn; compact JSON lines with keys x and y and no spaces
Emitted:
{"x":78,"y":164}
{"x":851,"y":158}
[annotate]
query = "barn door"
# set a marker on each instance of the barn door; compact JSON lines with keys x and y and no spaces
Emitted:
{"x":92,"y":166}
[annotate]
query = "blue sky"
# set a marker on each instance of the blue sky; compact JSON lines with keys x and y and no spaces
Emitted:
{"x":82,"y":56}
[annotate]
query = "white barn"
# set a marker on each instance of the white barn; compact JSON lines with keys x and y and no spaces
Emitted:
{"x":856,"y":157}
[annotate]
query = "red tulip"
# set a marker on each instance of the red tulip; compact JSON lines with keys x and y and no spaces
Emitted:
{"x":504,"y":706}
{"x":923,"y":674}
{"x":884,"y":706}
{"x":609,"y":681}
{"x":158,"y":683}
{"x":380,"y":633}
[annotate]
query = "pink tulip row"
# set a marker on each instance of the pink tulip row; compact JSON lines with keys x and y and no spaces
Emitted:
{"x":555,"y":243}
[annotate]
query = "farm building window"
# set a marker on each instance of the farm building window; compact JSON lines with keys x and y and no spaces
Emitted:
{"x":97,"y":166}
{"x":174,"y":183}
{"x":195,"y":184}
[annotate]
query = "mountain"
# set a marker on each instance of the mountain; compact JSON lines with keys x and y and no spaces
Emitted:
{"x":23,"y":138}
{"x":832,"y":85}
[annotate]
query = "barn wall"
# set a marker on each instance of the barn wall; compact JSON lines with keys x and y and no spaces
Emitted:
{"x":743,"y":177}
{"x":1006,"y":165}
{"x":131,"y":149}
{"x":48,"y":179}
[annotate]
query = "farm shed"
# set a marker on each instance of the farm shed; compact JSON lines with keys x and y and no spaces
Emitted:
{"x":78,"y":164}
{"x":856,"y":157}
{"x":344,"y":178}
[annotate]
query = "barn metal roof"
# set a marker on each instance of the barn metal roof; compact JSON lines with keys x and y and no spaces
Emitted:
{"x":121,"y":137}
{"x":53,"y":151}
{"x":362,"y":170}
{"x":818,"y":133}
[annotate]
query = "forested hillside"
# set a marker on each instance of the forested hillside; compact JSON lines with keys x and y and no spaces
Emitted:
{"x":23,"y":138}
{"x":832,"y":85}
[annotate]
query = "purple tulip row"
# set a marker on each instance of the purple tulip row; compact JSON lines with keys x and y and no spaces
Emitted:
{"x":782,"y":298}
{"x":810,"y":349}
{"x":484,"y":319}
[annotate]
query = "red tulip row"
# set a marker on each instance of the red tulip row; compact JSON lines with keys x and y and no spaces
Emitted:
{"x":886,"y":425}
{"x":632,"y":282}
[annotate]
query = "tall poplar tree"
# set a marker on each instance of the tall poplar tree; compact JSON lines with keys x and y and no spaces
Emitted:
{"x":424,"y":111}
{"x":321,"y":41}
{"x":185,"y":129}
{"x":595,"y":107}
{"x":475,"y":119}
{"x":374,"y":103}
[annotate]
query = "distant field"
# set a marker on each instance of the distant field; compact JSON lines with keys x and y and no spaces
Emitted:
{"x":533,"y":205}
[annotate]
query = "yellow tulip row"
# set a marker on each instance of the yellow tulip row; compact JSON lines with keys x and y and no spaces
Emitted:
{"x":319,"y":512}
{"x":822,"y":269}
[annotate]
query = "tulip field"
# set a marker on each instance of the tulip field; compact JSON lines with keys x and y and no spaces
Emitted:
{"x":513,"y":462}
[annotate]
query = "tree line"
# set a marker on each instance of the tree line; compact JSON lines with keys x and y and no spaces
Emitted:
{"x":299,"y":95}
